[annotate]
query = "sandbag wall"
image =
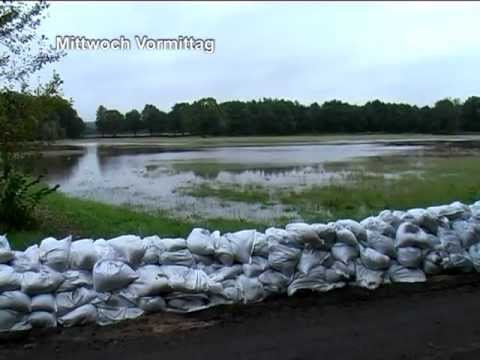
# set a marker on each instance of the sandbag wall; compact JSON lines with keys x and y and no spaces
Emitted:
{"x":66,"y":283}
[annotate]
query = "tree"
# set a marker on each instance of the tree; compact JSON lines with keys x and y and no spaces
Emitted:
{"x":113,"y":121}
{"x":154,"y":119}
{"x":470,"y":114}
{"x":100,"y":120}
{"x":133,"y":121}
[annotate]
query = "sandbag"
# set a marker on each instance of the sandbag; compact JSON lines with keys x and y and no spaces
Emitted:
{"x":109,"y":275}
{"x":11,"y":320}
{"x":423,"y":218}
{"x":55,"y":253}
{"x":28,"y":260}
{"x":315,"y":280}
{"x":455,"y":210}
{"x":174,"y":244}
{"x":243,"y":243}
{"x":312,"y":258}
{"x":377,"y":225}
{"x":474,"y":253}
{"x":43,"y":282}
{"x":184,"y":279}
{"x":151,"y":304}
{"x":432,"y":263}
{"x":107,"y":315}
{"x":283,"y":237}
{"x":42,"y":319}
{"x":449,"y":241}
{"x":401,"y":274}
{"x":306,"y":234}
{"x":344,"y":253}
{"x":15,"y":300}
{"x":153,"y":248}
{"x":68,"y":301}
{"x":468,"y":232}
{"x":74,"y":279}
{"x":393,"y":218}
{"x":460,"y":262}
{"x":9,"y":279}
{"x":180,"y":257}
{"x":83,"y":255}
{"x":151,"y":281}
{"x":326,"y":233}
{"x":381,"y":243}
{"x":251,"y":289}
{"x":226,"y":272}
{"x":355,"y":227}
{"x":105,"y":251}
{"x":274,"y":282}
{"x":200,"y":242}
{"x":44,"y":302}
{"x":6,"y":254}
{"x":185,"y":303}
{"x":410,"y":257}
{"x":373,"y":259}
{"x":368,"y":278}
{"x":129,"y":247}
{"x":224,"y":251}
{"x":86,"y":314}
{"x":409,"y":234}
{"x":256,"y":266}
{"x":283,"y":258}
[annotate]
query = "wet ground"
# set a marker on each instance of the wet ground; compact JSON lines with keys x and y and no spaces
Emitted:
{"x":435,"y":320}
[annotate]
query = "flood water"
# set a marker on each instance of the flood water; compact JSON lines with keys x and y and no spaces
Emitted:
{"x":153,"y":178}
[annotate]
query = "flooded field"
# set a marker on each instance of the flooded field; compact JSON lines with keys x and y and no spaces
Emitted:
{"x":262,"y":183}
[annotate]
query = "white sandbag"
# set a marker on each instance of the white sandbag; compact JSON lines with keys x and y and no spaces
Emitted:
{"x":392,"y":218}
{"x":180,"y":257}
{"x":107,"y":315}
{"x":185,"y":303}
{"x":11,"y":320}
{"x":153,"y":248}
{"x":306,"y":234}
{"x":256,"y":267}
{"x":283,"y":258}
{"x":377,"y":225}
{"x":184,"y":279}
{"x":251,"y":289}
{"x":105,"y":251}
{"x":151,"y":281}
{"x":15,"y":300}
{"x":283,"y":237}
{"x":315,"y":280}
{"x":423,"y":218}
{"x":224,"y":251}
{"x":381,"y":243}
{"x":43,"y":282}
{"x":468,"y":232}
{"x":68,"y":301}
{"x":450,"y":241}
{"x":55,"y":253}
{"x":28,"y":260}
{"x":346,"y":237}
{"x":260,"y":247}
{"x":368,"y":278}
{"x":201,"y":242}
{"x":231,"y":291}
{"x":6,"y":254}
{"x":86,"y":314}
{"x":474,"y":253}
{"x":401,"y":274}
{"x":174,"y":244}
{"x":373,"y":259}
{"x":243,"y":243}
{"x":9,"y":279}
{"x":74,"y":279}
{"x":432,"y":263}
{"x":129,"y":247}
{"x":347,"y":271}
{"x":410,"y":257}
{"x":226,"y":272}
{"x":83,"y":255}
{"x":109,"y":275}
{"x":455,"y":210}
{"x":409,"y":234}
{"x":355,"y":227}
{"x":152,"y":304}
{"x":44,"y":302}
{"x":326,"y":233}
{"x":344,"y":253}
{"x":311,"y":258}
{"x":460,"y":262}
{"x":203,"y":260}
{"x":42,"y":319}
{"x":274,"y":282}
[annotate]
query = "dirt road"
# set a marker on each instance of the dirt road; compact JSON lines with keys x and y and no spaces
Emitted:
{"x":437,"y":320}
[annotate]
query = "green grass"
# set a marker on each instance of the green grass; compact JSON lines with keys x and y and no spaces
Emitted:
{"x":60,"y":215}
{"x":246,"y":193}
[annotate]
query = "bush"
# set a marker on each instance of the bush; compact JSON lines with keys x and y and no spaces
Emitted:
{"x":19,"y":195}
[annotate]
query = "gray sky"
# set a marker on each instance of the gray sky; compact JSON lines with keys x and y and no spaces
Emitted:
{"x":403,"y":52}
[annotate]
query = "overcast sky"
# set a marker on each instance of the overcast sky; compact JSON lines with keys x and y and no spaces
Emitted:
{"x":401,"y":52}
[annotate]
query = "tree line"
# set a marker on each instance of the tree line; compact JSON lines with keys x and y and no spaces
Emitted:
{"x":281,"y":117}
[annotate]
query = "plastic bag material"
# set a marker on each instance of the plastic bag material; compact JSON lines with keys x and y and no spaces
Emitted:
{"x":474,"y":253}
{"x":104,"y":250}
{"x":381,"y":243}
{"x":376,"y":225}
{"x":9,"y":279}
{"x":345,"y":270}
{"x":6,"y":254}
{"x":347,"y":237}
{"x":274,"y":282}
{"x":355,"y":227}
{"x":180,"y":257}
{"x":174,"y":244}
{"x":56,"y":253}
{"x":226,"y":272}
{"x":458,"y":262}
{"x":251,"y":289}
{"x":368,"y":278}
{"x":260,"y":247}
{"x":310,"y":259}
{"x":410,"y":257}
{"x":373,"y":259}
{"x":432,"y":263}
{"x":306,"y":234}
{"x":200,"y":242}
{"x":109,"y":275}
{"x":326,"y":233}
{"x":468,"y":232}
{"x":151,"y":281}
{"x":283,"y":258}
{"x":243,"y":244}
{"x":107,"y":315}
{"x":344,"y":253}
{"x":224,"y":251}
{"x":315,"y":280}
{"x":86,"y":314}
{"x":203,"y":259}
{"x":42,"y":319}
{"x":44,"y":302}
{"x":42,"y":282}
{"x":74,"y":279}
{"x":152,"y":304}
{"x":401,"y":274}
{"x":129,"y":247}
{"x":184,"y":279}
{"x":28,"y":260}
{"x":423,"y":218}
{"x":15,"y":300}
{"x":256,"y":266}
{"x":83,"y":255}
{"x":449,"y":241}
{"x":283,"y":237}
{"x":455,"y":210}
{"x":393,"y":218}
{"x":409,"y":234}
{"x":68,"y":301}
{"x":11,"y":320}
{"x":185,"y":303}
{"x":153,"y":248}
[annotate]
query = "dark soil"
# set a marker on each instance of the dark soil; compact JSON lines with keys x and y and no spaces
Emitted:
{"x":436,"y":320}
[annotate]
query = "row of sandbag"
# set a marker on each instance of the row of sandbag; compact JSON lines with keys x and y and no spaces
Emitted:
{"x":65,"y":282}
